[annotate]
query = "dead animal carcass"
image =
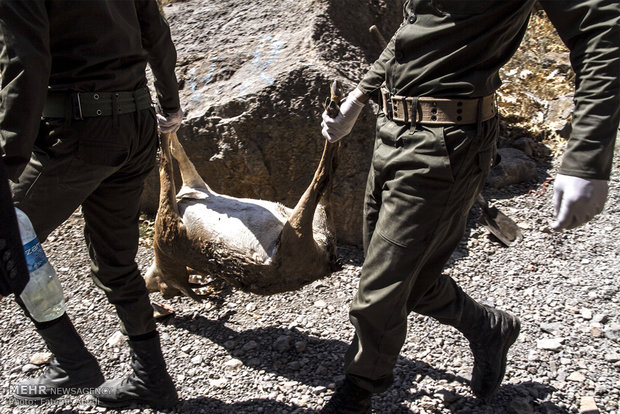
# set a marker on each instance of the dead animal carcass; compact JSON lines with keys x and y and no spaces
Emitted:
{"x":257,"y":246}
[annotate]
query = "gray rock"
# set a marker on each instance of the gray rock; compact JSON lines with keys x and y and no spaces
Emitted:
{"x":552,"y":328}
{"x":612,"y":357}
{"x":283,"y":343}
{"x":613,"y":332}
{"x":29,"y":368}
{"x":550,"y":344}
{"x":515,"y":167}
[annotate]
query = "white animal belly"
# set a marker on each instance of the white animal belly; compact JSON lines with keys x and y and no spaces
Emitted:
{"x":249,"y":226}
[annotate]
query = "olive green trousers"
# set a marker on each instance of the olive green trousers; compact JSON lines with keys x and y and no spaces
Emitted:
{"x":100,"y":164}
{"x":421,"y":186}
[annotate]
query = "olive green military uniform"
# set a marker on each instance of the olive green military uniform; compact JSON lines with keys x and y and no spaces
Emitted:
{"x":424,"y":178}
{"x":79,"y":68}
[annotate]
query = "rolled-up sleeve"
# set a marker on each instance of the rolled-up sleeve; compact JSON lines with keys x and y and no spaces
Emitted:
{"x":591,"y":31}
{"x":25,"y":63}
{"x":162,"y":55}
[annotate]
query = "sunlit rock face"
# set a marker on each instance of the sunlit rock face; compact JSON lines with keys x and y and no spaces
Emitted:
{"x":253,"y":77}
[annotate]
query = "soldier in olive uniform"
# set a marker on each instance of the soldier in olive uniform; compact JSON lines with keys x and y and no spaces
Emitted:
{"x":435,"y":142}
{"x":74,"y":93}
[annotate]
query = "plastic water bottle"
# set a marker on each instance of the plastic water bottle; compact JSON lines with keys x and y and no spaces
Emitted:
{"x":42,"y":295}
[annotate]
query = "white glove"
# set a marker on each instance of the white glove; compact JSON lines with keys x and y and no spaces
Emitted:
{"x":170,"y":122}
{"x":576,"y":200}
{"x":340,"y":126}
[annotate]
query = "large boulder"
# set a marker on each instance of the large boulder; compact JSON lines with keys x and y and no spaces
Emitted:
{"x":253,"y":77}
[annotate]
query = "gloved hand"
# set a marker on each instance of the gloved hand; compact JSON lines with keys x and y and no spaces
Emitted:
{"x":334,"y":129}
{"x":576,"y":200}
{"x":170,"y":122}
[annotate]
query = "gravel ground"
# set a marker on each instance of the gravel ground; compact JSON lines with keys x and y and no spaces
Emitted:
{"x":283,"y":354}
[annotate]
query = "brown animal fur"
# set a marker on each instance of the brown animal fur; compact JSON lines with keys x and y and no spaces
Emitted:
{"x":303,"y":251}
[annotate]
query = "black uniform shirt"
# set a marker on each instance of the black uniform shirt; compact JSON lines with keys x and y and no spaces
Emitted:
{"x":76,"y":45}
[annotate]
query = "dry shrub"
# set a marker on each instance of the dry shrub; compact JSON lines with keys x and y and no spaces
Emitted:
{"x":538,"y":73}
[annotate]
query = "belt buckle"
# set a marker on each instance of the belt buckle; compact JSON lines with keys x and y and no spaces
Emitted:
{"x":76,"y":107}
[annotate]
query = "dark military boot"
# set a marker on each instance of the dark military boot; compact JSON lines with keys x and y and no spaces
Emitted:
{"x":349,"y":399}
{"x":148,"y":384}
{"x":490,"y":332}
{"x":73,"y":370}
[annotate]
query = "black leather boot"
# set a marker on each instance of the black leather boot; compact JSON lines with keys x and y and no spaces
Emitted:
{"x":148,"y":384}
{"x":73,"y":370}
{"x":349,"y":399}
{"x":490,"y":332}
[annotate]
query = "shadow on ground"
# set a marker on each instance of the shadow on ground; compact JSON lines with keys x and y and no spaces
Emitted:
{"x":325,"y":363}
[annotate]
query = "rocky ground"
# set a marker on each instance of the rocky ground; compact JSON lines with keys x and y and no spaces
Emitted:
{"x":283,"y":354}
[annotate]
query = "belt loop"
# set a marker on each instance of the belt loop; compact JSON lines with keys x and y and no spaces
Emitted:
{"x":76,"y":107}
{"x":413,"y":121}
{"x":479,"y":118}
{"x":387,"y":104}
{"x":115,"y":110}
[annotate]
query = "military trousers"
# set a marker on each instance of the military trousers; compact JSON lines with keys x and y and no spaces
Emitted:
{"x":421,"y":185}
{"x":99,"y":163}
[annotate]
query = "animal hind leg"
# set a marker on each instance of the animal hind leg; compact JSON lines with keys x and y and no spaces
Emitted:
{"x":189,"y":175}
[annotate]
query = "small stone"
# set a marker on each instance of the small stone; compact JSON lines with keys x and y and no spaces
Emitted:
{"x":233,"y":363}
{"x":576,"y":377}
{"x":249,"y":346}
{"x":250,"y":307}
{"x":230,"y":344}
{"x":319,"y":390}
{"x":586,"y":313}
{"x":588,"y":406}
{"x":29,"y":368}
{"x":41,"y":358}
{"x":116,"y":340}
{"x":287,"y":385}
{"x":613,"y":332}
{"x":197,"y":360}
{"x":596,"y":332}
{"x":294,"y":365}
{"x":186,"y":348}
{"x":551,"y":328}
{"x":300,"y":346}
{"x":550,"y":344}
{"x":283,"y":343}
{"x":218,"y":383}
{"x":320,"y":304}
{"x":321,"y":370}
{"x":612,"y":357}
